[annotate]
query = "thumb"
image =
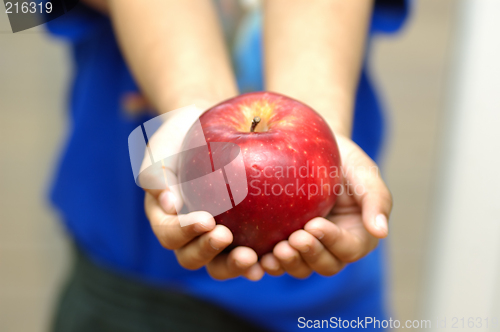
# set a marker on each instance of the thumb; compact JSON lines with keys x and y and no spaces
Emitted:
{"x":365,"y":184}
{"x":159,"y":161}
{"x":170,"y":199}
{"x":161,"y":182}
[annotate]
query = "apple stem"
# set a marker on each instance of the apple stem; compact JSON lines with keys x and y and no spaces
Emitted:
{"x":255,"y":122}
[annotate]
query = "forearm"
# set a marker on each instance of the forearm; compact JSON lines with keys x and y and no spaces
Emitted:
{"x":175,"y":50}
{"x":313,"y":52}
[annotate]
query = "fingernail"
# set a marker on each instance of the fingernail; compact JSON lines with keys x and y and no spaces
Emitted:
{"x":213,"y":244}
{"x":167,"y":200}
{"x":380,"y":223}
{"x":317,"y":233}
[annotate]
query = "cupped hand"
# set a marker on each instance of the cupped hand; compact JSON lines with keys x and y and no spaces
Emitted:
{"x":201,"y":242}
{"x":325,"y":245}
{"x":351,"y":230}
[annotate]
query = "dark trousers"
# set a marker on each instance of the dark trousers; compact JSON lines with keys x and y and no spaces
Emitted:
{"x":99,"y":300}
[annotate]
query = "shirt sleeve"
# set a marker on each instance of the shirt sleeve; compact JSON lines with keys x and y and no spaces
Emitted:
{"x":77,"y":23}
{"x":389,"y":16}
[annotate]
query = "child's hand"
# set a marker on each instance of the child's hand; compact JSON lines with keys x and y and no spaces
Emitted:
{"x":350,"y":232}
{"x":200,"y":243}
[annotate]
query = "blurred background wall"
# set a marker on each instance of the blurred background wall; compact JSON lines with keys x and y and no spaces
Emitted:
{"x":410,"y":68}
{"x":34,"y":73}
{"x":462,"y":274}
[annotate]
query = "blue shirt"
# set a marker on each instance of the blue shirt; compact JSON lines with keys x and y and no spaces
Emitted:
{"x":102,"y":208}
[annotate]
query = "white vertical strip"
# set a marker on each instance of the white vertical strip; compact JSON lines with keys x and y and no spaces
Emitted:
{"x":463,"y":267}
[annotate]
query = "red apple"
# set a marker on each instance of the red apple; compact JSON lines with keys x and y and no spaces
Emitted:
{"x":290,"y":169}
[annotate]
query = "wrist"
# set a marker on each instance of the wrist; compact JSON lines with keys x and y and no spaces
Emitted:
{"x":340,"y":122}
{"x":335,"y":107}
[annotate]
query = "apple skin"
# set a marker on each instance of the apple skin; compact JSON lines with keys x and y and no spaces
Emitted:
{"x":290,"y":137}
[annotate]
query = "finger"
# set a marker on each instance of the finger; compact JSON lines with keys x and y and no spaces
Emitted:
{"x":315,"y":254}
{"x":164,"y":145}
{"x":176,"y":198}
{"x":202,"y":250}
{"x":155,"y":180}
{"x":291,"y":261}
{"x":167,"y":228}
{"x":368,"y":188}
{"x":167,"y":201}
{"x":348,"y":245}
{"x":233,"y":264}
{"x":170,"y":199}
{"x":271,"y":265}
{"x":254,"y":273}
